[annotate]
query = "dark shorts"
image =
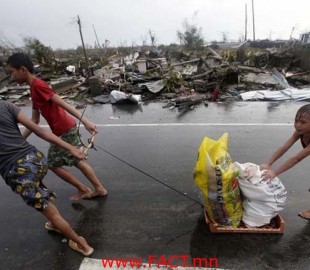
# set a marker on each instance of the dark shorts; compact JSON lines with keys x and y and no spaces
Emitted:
{"x":25,"y":178}
{"x":58,"y":156}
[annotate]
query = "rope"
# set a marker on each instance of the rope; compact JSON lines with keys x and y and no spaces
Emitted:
{"x":150,"y":176}
{"x":78,"y":129}
{"x":132,"y":166}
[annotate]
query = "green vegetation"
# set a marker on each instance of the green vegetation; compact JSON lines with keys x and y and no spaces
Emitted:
{"x":191,"y":38}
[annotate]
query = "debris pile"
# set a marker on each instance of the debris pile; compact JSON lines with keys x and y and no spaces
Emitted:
{"x":182,"y":79}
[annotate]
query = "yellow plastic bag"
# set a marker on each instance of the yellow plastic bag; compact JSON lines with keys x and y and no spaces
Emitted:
{"x":217,"y":182}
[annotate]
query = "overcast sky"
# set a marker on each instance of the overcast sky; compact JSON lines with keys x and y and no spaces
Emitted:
{"x":53,"y":22}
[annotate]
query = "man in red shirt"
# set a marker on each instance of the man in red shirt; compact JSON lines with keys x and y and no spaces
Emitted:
{"x":55,"y":111}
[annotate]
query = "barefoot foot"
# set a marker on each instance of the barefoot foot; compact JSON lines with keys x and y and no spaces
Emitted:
{"x":95,"y":194}
{"x":80,"y":194}
{"x":305,"y":214}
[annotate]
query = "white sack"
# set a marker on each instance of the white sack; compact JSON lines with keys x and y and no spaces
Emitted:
{"x":71,"y":69}
{"x":118,"y":96}
{"x":262,"y":200}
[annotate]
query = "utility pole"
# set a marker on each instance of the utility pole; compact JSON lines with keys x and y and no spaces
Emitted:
{"x":96,"y":37}
{"x":291,"y":35}
{"x":253,"y":20}
{"x":246,"y":23}
{"x":85,"y":55}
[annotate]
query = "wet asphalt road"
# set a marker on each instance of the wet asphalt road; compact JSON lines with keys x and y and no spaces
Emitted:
{"x":141,"y":216}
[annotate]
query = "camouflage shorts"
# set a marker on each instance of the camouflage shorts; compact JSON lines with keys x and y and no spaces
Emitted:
{"x":25,"y":178}
{"x":58,"y":156}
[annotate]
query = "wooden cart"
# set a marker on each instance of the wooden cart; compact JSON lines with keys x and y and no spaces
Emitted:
{"x":277,"y":225}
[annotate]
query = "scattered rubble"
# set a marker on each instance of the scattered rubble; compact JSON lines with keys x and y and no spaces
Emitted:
{"x":249,"y":71}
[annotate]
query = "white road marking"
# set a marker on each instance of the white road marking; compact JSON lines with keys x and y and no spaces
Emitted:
{"x":193,"y":124}
{"x":185,"y":124}
{"x":96,"y":264}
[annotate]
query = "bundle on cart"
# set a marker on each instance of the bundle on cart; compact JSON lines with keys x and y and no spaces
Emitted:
{"x":235,"y":197}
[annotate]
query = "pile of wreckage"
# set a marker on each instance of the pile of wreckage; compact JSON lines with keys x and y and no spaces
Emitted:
{"x":182,"y":80}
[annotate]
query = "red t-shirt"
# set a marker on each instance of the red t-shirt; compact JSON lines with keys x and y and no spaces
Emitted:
{"x":58,"y":119}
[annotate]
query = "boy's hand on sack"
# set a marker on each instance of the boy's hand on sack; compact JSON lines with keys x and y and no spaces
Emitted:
{"x":264,"y":167}
{"x":268,"y":175}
